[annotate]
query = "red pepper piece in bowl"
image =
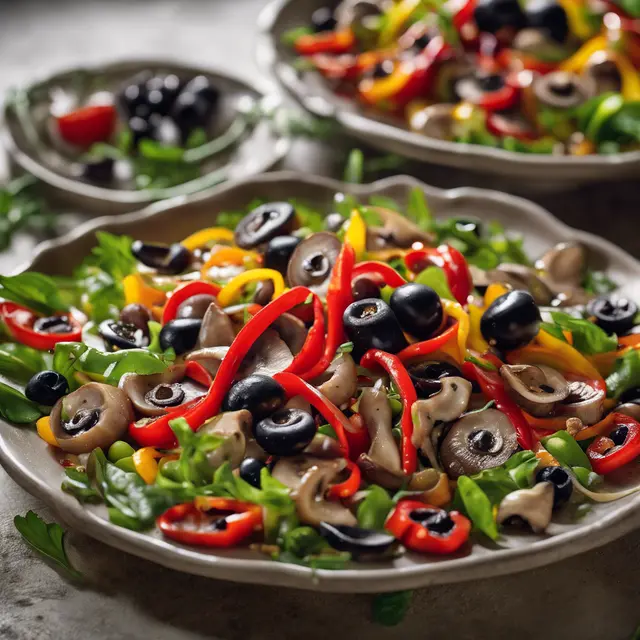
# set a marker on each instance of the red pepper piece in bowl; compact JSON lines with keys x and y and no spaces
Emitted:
{"x":88,"y":125}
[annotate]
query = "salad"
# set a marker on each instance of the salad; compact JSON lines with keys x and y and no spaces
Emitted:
{"x":533,"y":76}
{"x":328,"y":389}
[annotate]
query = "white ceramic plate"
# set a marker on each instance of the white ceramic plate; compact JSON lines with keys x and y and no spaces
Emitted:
{"x":27,"y":460}
{"x":25,"y":133}
{"x":315,"y":96}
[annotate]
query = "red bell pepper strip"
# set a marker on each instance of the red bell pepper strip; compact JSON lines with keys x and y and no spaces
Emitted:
{"x":424,"y":348}
{"x":348,"y":66}
{"x":409,"y":523}
{"x":464,"y":14}
{"x":335,"y":42}
{"x":296,"y":386}
{"x":499,"y":100}
{"x":358,"y":438}
{"x":339,"y":297}
{"x":605,"y":456}
{"x":157,"y":432}
{"x":88,"y":125}
{"x":493,"y":387}
{"x":198,"y":373}
{"x":313,"y":346}
{"x":186,"y":291}
{"x":500,"y":126}
{"x":20,"y":320}
{"x":517,"y":60}
{"x":402,"y":380}
{"x":385,"y":272}
{"x":211,"y":522}
{"x":349,"y":486}
{"x":451,"y":261}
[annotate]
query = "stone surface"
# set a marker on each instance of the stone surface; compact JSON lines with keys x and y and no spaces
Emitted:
{"x":593,"y":597}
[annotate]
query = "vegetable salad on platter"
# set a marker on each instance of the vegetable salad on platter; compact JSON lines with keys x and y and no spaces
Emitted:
{"x":329,"y":388}
{"x":531,"y":76}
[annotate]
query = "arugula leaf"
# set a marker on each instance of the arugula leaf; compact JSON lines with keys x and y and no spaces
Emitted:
{"x":14,"y":407}
{"x":370,"y":217}
{"x":418,"y":209}
{"x":34,"y":290}
{"x":435,"y":278}
{"x":354,"y":170}
{"x":477,"y":506}
{"x":389,"y":609}
{"x":78,"y":484}
{"x":229,"y":219}
{"x":374,"y":509}
{"x":19,"y":362}
{"x":290,"y":36}
{"x":597,"y":282}
{"x":521,"y":467}
{"x":196,"y":138}
{"x":45,"y":538}
{"x":384,"y":202}
{"x":588,"y":338}
{"x":308,"y":217}
{"x":625,"y":374}
{"x":344,"y":204}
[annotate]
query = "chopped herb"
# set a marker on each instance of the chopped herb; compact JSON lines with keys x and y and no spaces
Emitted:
{"x":390,"y":609}
{"x":479,"y":362}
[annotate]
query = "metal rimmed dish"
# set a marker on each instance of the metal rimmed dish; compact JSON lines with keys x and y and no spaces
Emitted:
{"x":256,"y":150}
{"x":316,"y":97}
{"x":26,"y":459}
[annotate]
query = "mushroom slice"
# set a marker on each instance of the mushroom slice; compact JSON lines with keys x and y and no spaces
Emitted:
{"x":209,"y":358}
{"x":563,"y":265}
{"x":533,"y":506}
{"x":268,"y":355}
{"x":343,"y":383}
{"x":216,"y":329}
{"x":381,"y":465}
{"x":445,"y":406}
{"x":95,"y":415}
{"x":312,"y":261}
{"x":323,"y":446}
{"x":151,"y":395}
{"x":397,"y":231}
{"x":521,"y":277}
{"x":235,"y":427}
{"x":478,"y":441}
{"x":631,"y":409}
{"x":563,"y":90}
{"x":584,"y":402}
{"x":292,"y":331}
{"x":435,"y":121}
{"x":537,"y":389}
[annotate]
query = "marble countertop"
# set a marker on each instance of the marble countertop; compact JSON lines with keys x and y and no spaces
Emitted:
{"x":592,"y":596}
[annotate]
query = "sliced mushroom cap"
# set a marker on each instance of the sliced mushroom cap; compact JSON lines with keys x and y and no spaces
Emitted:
{"x":323,"y":446}
{"x":95,"y":415}
{"x":537,"y":389}
{"x":351,"y":13}
{"x":478,"y":441}
{"x":209,"y":358}
{"x":268,"y":355}
{"x":396,"y":231}
{"x":534,"y":506}
{"x":152,"y":395}
{"x":538,"y":43}
{"x":235,"y":427}
{"x":343,"y":383}
{"x":602,"y":68}
{"x":584,"y":401}
{"x":195,"y":306}
{"x":216,"y":330}
{"x":292,"y":331}
{"x":381,"y":465}
{"x":563,"y":265}
{"x":631,"y":409}
{"x":520,"y":276}
{"x":445,"y":406}
{"x":563,"y":90}
{"x":311,"y":262}
{"x":435,"y":121}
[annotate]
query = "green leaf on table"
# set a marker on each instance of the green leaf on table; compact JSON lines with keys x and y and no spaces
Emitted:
{"x":625,"y":374}
{"x":34,"y":290}
{"x":45,"y":538}
{"x":374,"y":509}
{"x":435,"y":278}
{"x":418,"y":209}
{"x":19,"y":362}
{"x":477,"y":506}
{"x":390,"y":609}
{"x":354,"y":170}
{"x":15,"y":407}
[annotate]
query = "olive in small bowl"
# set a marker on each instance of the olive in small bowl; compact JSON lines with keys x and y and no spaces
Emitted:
{"x":285,"y":432}
{"x":418,"y":309}
{"x":261,"y":395}
{"x":511,"y":321}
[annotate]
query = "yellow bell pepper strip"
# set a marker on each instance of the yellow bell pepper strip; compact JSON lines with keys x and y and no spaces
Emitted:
{"x":576,"y":16}
{"x":455,"y":310}
{"x":145,"y":461}
{"x":208,"y":236}
{"x":356,"y":234}
{"x":440,"y":494}
{"x":494,"y":291}
{"x":604,"y":362}
{"x":394,"y":19}
{"x":229,"y":256}
{"x":579,"y":59}
{"x":630,"y":78}
{"x":534,"y":354}
{"x":476,"y":341}
{"x":579,"y":364}
{"x":43,"y":427}
{"x":137,"y":291}
{"x":231,"y":290}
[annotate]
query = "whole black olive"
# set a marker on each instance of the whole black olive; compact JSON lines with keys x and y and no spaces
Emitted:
{"x":382,"y":69}
{"x":134,"y":94}
{"x":261,"y":395}
{"x":195,"y":306}
{"x":561,"y":481}
{"x":122,"y":335}
{"x":613,"y":313}
{"x":435,"y":520}
{"x":285,"y":432}
{"x":265,"y":222}
{"x":426,"y":376}
{"x":53,"y":324}
{"x":619,"y":435}
{"x":278,"y":252}
{"x":370,"y":324}
{"x":333,"y":222}
{"x":363,"y":287}
{"x":141,"y":129}
{"x":162,"y":92}
{"x":138,"y":315}
{"x":549,"y":16}
{"x":190,"y":112}
{"x":250,"y":470}
{"x":630,"y":395}
{"x":489,"y":82}
{"x":322,"y":20}
{"x":511,"y":321}
{"x":418,"y":309}
{"x":180,"y":334}
{"x":168,"y":259}
{"x":46,"y":387}
{"x":99,"y":171}
{"x":492,"y":15}
{"x":355,"y":540}
{"x":165,"y":395}
{"x":482,"y":440}
{"x":264,"y":292}
{"x":201,"y":88}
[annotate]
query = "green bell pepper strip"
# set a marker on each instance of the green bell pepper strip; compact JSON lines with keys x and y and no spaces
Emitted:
{"x":566,"y":450}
